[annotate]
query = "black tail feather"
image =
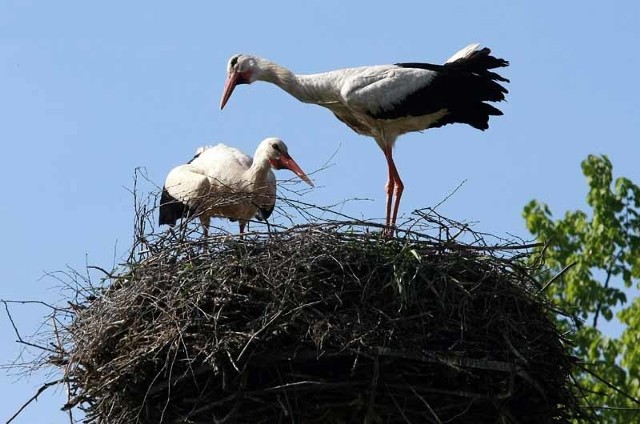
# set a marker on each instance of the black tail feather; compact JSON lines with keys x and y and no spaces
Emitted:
{"x":171,"y":209}
{"x":472,"y":73}
{"x":476,"y":115}
{"x":479,"y":62}
{"x":461,"y":87}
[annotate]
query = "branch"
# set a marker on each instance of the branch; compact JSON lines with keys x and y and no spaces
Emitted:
{"x":558,"y":275}
{"x":15,"y":329}
{"x":35,"y":397}
{"x":606,"y":286}
{"x":66,"y":367}
{"x":609,"y":385}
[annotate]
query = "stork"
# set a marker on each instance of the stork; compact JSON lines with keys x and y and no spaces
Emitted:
{"x":387,"y":101}
{"x":221,"y":181}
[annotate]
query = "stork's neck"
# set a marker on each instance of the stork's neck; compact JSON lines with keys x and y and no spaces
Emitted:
{"x":257,"y":173}
{"x":315,"y":88}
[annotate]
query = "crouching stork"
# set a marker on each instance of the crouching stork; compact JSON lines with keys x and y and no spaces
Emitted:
{"x":221,"y":181}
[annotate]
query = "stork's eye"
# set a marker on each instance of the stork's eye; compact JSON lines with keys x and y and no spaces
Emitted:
{"x":275,"y":147}
{"x":234,"y":61}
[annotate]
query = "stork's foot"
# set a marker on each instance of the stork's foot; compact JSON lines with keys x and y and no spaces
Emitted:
{"x":389,"y":232}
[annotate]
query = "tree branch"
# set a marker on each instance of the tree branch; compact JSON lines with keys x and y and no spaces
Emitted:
{"x":34,"y":397}
{"x":606,"y":286}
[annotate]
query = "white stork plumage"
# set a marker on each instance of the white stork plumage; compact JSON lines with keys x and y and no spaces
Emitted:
{"x":387,"y":101}
{"x":221,"y":181}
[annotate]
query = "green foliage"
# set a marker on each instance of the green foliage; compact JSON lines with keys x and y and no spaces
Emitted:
{"x":600,"y":250}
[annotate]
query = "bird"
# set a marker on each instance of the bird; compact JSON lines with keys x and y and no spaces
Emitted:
{"x":387,"y":101}
{"x":222,"y":181}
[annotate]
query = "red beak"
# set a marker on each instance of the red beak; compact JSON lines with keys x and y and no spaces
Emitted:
{"x":286,"y":161}
{"x":232,"y":81}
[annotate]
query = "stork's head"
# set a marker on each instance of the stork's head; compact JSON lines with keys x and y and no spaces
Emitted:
{"x":241,"y":69}
{"x":276,"y":152}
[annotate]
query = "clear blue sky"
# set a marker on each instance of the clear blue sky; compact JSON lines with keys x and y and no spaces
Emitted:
{"x":90,"y":92}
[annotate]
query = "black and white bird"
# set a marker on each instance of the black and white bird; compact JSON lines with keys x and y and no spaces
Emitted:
{"x":221,"y":181}
{"x":387,"y":101}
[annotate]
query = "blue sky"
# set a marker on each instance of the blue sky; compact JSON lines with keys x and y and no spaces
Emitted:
{"x":89,"y":92}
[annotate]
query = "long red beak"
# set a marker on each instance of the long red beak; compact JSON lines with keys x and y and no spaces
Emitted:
{"x":287,"y":161}
{"x":232,"y":81}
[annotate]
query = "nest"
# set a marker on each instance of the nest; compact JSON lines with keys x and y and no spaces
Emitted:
{"x":319,"y":324}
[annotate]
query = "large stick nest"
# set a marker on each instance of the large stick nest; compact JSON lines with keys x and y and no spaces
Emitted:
{"x":321,"y":323}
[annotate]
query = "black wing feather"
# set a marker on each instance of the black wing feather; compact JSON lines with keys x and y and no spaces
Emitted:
{"x":264,"y":212}
{"x":171,"y":209}
{"x":461,"y":87}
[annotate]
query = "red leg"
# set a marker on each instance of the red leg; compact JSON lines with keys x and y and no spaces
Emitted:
{"x":395,"y":187}
{"x":399,"y":188}
{"x":389,"y":188}
{"x":205,"y":221}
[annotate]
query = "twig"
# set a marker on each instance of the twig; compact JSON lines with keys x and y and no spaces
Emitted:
{"x":34,"y":397}
{"x":558,"y":275}
{"x":424,"y":401}
{"x":17,"y":333}
{"x":105,"y":272}
{"x":605,"y":286}
{"x":449,"y":195}
{"x":254,"y":335}
{"x":609,"y":385}
{"x":66,"y":366}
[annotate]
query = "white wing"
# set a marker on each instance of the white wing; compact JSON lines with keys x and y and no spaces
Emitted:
{"x":187,"y":184}
{"x":223,"y":154}
{"x":224,"y":165}
{"x":375,"y":89}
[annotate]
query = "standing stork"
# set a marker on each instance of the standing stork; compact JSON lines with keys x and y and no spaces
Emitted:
{"x":387,"y":101}
{"x":221,"y":181}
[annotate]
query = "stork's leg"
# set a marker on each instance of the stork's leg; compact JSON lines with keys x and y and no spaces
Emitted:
{"x":395,"y":187}
{"x":242,"y":224}
{"x":389,"y":187}
{"x":399,"y":188}
{"x":205,"y":221}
